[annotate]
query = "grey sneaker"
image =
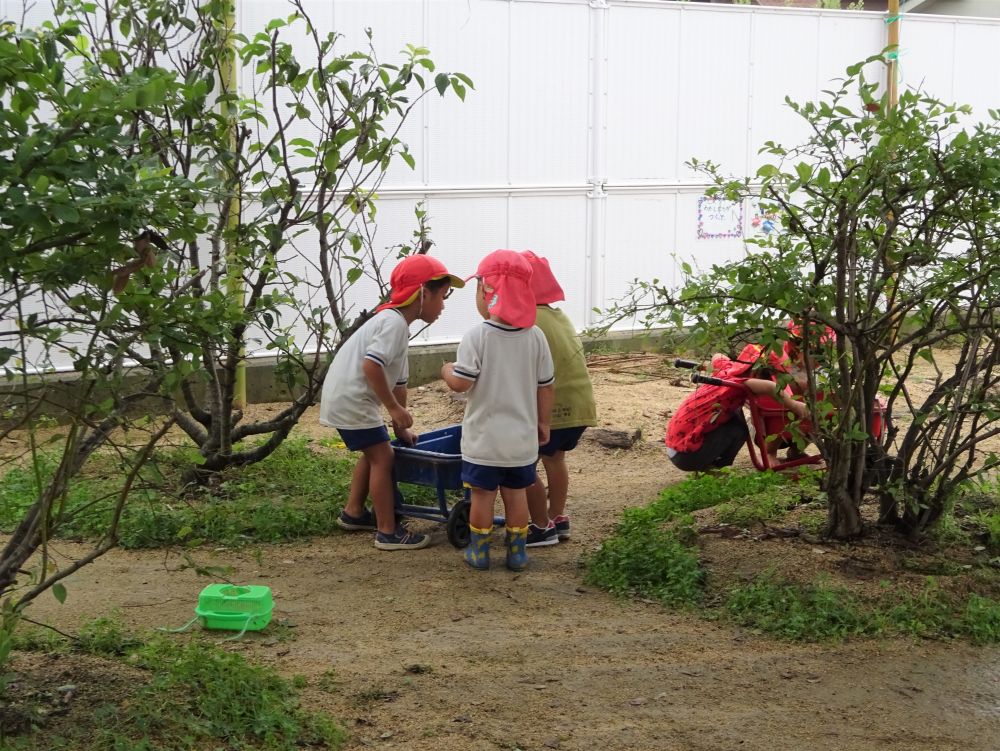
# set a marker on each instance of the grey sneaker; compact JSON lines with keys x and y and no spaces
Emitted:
{"x":540,"y":538}
{"x":401,"y":539}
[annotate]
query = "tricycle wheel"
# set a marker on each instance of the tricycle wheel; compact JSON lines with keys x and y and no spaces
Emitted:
{"x":458,"y":523}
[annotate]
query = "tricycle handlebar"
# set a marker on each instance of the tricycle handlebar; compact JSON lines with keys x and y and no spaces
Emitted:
{"x":689,"y":364}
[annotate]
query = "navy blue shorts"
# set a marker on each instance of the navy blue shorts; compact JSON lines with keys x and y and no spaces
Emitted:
{"x":356,"y":440}
{"x":561,"y":439}
{"x":491,"y":478}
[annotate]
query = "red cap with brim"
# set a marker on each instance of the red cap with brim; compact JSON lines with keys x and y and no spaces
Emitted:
{"x":412,"y":273}
{"x":544,"y":286}
{"x":507,"y":274}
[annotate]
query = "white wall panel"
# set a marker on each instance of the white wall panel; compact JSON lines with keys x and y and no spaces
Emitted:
{"x":932,"y":74}
{"x":773,"y":78}
{"x":976,"y":73}
{"x":470,"y":141}
{"x":639,"y":242}
{"x":573,"y":141}
{"x":714,"y":85}
{"x":562,"y":242}
{"x":464,"y":230}
{"x":550,"y":73}
{"x":644,"y":74}
{"x":844,"y":39}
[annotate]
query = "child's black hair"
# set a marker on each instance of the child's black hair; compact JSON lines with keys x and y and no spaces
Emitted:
{"x":435,"y":284}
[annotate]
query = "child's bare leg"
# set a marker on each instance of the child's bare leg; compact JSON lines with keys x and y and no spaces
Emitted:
{"x":356,"y":496}
{"x":557,"y":473}
{"x":515,"y":506}
{"x":481,"y":511}
{"x":538,"y":503}
{"x":379,"y":459}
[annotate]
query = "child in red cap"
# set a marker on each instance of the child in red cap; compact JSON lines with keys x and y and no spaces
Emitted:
{"x":505,"y":366}
{"x":370,"y":372}
{"x":708,"y":429}
{"x":573,"y":409}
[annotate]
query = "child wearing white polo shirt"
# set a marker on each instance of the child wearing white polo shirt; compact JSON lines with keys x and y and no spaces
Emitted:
{"x":370,"y":372}
{"x":505,"y":366}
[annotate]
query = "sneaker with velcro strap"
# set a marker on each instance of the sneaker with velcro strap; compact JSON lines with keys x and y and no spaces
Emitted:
{"x":562,"y":527}
{"x":365,"y":522}
{"x":540,"y":537}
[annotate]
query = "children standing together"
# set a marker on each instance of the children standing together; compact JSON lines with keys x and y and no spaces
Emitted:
{"x":522,"y":403}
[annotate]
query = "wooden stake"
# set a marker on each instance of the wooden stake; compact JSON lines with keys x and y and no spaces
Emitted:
{"x":893,"y":21}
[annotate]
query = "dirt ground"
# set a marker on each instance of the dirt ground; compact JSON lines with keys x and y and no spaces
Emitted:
{"x":422,"y":653}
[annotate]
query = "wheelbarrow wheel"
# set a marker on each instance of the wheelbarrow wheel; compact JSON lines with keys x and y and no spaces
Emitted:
{"x":458,"y":523}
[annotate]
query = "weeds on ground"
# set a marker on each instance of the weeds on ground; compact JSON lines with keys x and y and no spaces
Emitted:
{"x":815,"y":612}
{"x":296,"y":492}
{"x":769,"y":499}
{"x":821,"y":611}
{"x":197,"y":696}
{"x":650,"y":562}
{"x":653,"y":554}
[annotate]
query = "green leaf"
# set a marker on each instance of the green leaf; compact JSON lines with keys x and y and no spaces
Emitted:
{"x":59,"y":591}
{"x":65,"y":212}
{"x":408,"y":158}
{"x":353,"y":275}
{"x":441,"y":81}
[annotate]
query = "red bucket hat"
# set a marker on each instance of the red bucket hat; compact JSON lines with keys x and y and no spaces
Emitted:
{"x":818,"y":339}
{"x":544,"y":286}
{"x":412,"y":273}
{"x":507,"y":276}
{"x":743,"y":364}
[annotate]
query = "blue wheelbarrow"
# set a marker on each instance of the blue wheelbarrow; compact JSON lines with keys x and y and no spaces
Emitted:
{"x":435,"y":461}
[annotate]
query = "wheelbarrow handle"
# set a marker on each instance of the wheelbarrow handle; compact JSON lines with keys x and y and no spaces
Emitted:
{"x":698,"y":378}
{"x":689,"y":364}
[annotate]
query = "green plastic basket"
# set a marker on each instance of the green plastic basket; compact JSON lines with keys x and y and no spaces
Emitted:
{"x":235,"y":608}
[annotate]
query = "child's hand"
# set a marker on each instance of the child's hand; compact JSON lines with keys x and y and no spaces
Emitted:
{"x":401,"y":419}
{"x":405,"y":435}
{"x":543,"y":434}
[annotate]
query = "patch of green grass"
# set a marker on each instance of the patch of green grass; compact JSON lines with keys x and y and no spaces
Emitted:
{"x":296,"y":492}
{"x":649,"y":562}
{"x":107,"y":637}
{"x":813,"y":521}
{"x":197,"y":696}
{"x":988,"y":522}
{"x":652,"y":552}
{"x":788,"y":611}
{"x":762,"y":508}
{"x":820,"y":611}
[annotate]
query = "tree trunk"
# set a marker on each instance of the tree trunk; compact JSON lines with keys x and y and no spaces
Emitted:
{"x":844,"y":520}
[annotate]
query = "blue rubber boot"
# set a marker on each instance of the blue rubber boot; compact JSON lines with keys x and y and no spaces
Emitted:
{"x":477,"y":552}
{"x":517,"y":553}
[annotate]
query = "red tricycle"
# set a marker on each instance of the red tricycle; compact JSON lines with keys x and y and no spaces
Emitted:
{"x":769,"y":419}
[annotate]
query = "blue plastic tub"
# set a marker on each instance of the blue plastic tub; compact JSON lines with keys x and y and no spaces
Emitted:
{"x":435,"y":461}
